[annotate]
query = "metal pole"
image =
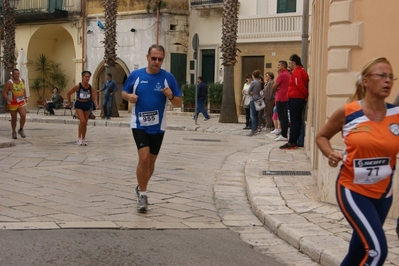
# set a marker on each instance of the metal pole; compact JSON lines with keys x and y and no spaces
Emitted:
{"x":305,"y":35}
{"x":3,"y":81}
{"x":195,"y":55}
{"x":196,"y":90}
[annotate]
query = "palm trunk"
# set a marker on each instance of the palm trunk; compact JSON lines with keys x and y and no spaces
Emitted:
{"x":110,"y":13}
{"x":9,"y":39}
{"x":228,"y":112}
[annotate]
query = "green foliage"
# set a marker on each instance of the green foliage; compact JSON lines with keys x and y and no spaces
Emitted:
{"x":36,"y":85}
{"x":43,"y":68}
{"x":215,"y":92}
{"x":58,"y":78}
{"x":188,"y":91}
{"x":49,"y":75}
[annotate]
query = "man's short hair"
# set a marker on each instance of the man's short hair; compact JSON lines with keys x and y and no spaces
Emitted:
{"x":109,"y":75}
{"x":284,"y":63}
{"x":157,"y":47}
{"x":200,"y":78}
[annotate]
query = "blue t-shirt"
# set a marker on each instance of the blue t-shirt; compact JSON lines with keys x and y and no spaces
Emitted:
{"x":149,"y":112}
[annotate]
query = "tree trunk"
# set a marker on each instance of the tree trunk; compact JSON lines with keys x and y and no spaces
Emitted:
{"x":228,"y":112}
{"x":110,"y":13}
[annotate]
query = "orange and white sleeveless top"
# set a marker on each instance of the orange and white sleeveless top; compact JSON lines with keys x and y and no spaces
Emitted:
{"x":370,"y":150}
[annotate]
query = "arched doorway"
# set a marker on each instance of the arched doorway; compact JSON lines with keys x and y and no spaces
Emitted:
{"x":119,"y":75}
{"x":56,"y":43}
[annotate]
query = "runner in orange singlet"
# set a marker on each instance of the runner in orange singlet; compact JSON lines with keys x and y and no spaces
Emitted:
{"x":370,"y":130}
{"x":15,"y":94}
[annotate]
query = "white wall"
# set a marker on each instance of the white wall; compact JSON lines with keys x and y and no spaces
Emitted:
{"x":132,"y":46}
{"x":250,"y":8}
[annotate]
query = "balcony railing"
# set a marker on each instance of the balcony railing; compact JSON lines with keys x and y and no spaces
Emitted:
{"x":270,"y":28}
{"x":205,"y":2}
{"x":44,"y":5}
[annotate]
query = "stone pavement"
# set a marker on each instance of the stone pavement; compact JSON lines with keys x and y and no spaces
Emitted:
{"x":45,"y":187}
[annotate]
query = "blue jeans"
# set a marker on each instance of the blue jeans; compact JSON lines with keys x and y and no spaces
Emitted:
{"x":201,"y":108}
{"x":107,"y":105}
{"x":50,"y":107}
{"x":254,"y":116}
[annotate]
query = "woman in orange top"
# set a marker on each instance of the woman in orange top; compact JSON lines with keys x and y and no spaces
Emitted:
{"x":370,"y":129}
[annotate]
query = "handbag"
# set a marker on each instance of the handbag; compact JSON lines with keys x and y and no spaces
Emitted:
{"x":259,"y":104}
{"x":245,"y":101}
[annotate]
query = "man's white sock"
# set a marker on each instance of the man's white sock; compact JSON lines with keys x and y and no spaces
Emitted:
{"x":142,"y":193}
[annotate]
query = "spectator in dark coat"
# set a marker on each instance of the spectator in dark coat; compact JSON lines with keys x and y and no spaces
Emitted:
{"x":202,"y":93}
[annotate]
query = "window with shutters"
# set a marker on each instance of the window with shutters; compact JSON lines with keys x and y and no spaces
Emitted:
{"x":286,"y":6}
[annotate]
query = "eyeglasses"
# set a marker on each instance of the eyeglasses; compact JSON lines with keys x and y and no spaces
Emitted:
{"x":384,"y":76}
{"x":160,"y":59}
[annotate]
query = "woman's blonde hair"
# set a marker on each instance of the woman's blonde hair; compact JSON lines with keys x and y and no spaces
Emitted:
{"x":367,"y":69}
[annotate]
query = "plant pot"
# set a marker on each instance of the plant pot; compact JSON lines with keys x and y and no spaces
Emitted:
{"x":189,"y":107}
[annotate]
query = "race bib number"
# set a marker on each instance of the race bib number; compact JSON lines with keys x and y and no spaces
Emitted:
{"x":372,"y":170}
{"x":20,"y":99}
{"x":149,"y":118}
{"x":84,"y":95}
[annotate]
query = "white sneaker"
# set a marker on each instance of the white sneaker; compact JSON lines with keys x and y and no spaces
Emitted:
{"x":276,"y":131}
{"x":280,"y":138}
{"x":142,"y":203}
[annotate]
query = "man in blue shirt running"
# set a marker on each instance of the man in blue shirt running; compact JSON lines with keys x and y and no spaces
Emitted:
{"x":149,"y":89}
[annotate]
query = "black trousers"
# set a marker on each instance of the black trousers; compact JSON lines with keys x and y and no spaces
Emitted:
{"x":296,"y":106}
{"x":282,"y":112}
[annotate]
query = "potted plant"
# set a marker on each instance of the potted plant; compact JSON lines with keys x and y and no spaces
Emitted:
{"x":215,"y":92}
{"x":43,"y":67}
{"x":188,"y":91}
{"x":50,"y":75}
{"x":36,"y":85}
{"x":57,"y":77}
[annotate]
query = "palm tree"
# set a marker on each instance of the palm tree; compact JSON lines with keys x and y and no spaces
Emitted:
{"x":9,"y":38}
{"x":228,"y":113}
{"x":110,"y":13}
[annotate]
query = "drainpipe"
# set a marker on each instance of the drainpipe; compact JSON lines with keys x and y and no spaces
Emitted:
{"x":305,"y":34}
{"x":83,"y":29}
{"x":158,"y":19}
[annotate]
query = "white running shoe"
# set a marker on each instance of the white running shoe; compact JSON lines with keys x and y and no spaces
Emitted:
{"x":276,"y":131}
{"x":142,"y":203}
{"x":280,"y":138}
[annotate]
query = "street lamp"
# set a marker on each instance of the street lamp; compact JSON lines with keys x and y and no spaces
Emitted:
{"x":9,"y":58}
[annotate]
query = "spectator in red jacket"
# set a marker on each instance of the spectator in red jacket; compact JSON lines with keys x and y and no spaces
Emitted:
{"x":297,"y":97}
